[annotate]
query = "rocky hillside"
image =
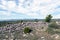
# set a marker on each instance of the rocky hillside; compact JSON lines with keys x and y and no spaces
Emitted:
{"x":15,"y":31}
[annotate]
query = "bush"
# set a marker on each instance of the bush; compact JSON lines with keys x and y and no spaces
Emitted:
{"x":27,"y":30}
{"x":50,"y":31}
{"x":53,"y":25}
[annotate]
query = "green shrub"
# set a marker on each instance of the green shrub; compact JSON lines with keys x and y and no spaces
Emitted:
{"x":27,"y":30}
{"x":50,"y":31}
{"x":53,"y":25}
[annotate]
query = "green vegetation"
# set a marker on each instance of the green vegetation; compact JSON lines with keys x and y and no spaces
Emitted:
{"x":53,"y":28}
{"x":48,"y":18}
{"x":3,"y":23}
{"x":27,"y":30}
{"x":36,"y":20}
{"x":54,"y":25}
{"x":21,"y":21}
{"x":53,"y":31}
{"x":50,"y":31}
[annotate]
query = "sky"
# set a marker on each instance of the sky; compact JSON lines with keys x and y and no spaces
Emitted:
{"x":29,"y":9}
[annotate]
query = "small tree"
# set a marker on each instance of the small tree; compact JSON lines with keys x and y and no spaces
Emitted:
{"x":48,"y":18}
{"x":27,"y":30}
{"x":36,"y":20}
{"x":21,"y":21}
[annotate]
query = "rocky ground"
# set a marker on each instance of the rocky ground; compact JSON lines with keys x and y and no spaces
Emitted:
{"x":15,"y":32}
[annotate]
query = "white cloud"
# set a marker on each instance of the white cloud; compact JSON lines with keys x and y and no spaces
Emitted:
{"x":3,"y":7}
{"x":45,"y":6}
{"x":11,"y":5}
{"x":3,"y":13}
{"x":21,"y":9}
{"x":56,"y":16}
{"x":3,"y":2}
{"x":21,"y":1}
{"x":33,"y":14}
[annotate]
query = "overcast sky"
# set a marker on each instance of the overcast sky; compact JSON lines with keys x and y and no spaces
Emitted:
{"x":29,"y":9}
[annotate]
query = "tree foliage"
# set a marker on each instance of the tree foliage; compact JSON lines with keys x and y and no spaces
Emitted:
{"x":36,"y":20}
{"x":48,"y":18}
{"x":21,"y":21}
